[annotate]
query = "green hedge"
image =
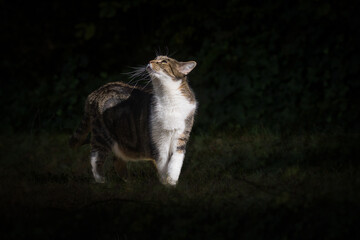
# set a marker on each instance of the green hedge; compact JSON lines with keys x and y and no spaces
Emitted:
{"x":283,"y":65}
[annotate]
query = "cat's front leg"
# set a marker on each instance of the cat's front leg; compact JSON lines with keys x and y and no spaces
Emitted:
{"x":171,"y":152}
{"x":176,"y":158}
{"x":163,"y":148}
{"x":169,"y":169}
{"x":174,"y":168}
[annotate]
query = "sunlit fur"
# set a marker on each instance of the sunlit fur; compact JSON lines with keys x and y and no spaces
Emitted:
{"x":171,"y":109}
{"x":142,"y":123}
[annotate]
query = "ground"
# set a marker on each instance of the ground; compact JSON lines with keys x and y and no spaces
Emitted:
{"x":244,"y":183}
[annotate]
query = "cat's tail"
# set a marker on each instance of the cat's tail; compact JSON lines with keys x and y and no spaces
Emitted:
{"x":80,"y":136}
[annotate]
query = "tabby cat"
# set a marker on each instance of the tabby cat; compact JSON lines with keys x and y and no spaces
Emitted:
{"x":141,"y":124}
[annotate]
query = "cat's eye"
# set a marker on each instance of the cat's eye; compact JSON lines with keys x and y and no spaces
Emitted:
{"x":163,"y":62}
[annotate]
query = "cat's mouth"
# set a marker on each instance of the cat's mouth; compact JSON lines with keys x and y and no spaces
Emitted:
{"x":148,"y":68}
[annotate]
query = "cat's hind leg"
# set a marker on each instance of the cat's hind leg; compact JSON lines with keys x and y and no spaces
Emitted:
{"x":100,"y":149}
{"x":121,"y":168}
{"x":97,"y":158}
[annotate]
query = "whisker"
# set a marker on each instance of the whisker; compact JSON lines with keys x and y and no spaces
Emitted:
{"x":161,"y":52}
{"x":149,"y":81}
{"x":139,"y":74}
{"x":134,"y":86}
{"x":172,"y":54}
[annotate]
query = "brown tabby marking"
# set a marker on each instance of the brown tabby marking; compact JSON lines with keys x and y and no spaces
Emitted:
{"x":119,"y":117}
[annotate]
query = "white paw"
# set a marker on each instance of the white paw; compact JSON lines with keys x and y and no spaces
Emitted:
{"x":171,"y":182}
{"x":168,"y":181}
{"x":99,"y":179}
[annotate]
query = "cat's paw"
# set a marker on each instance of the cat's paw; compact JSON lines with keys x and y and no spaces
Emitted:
{"x":99,"y":179}
{"x":168,"y":181}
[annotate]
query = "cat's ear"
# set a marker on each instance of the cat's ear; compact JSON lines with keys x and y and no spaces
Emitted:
{"x":186,"y":67}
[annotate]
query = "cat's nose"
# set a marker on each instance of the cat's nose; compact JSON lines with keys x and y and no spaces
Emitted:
{"x":148,"y":67}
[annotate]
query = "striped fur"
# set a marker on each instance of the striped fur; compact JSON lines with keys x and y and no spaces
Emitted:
{"x":141,"y":124}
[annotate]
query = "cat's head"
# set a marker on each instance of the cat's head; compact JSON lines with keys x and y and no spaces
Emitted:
{"x":163,"y":67}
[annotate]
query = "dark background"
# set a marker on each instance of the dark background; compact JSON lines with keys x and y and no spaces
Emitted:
{"x":285,"y":65}
{"x":274,"y":150}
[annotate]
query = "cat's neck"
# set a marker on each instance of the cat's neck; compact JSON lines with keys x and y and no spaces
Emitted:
{"x":167,"y":89}
{"x":171,"y":104}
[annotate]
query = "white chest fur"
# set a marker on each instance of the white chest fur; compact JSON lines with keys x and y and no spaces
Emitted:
{"x":169,"y":113}
{"x":170,"y":108}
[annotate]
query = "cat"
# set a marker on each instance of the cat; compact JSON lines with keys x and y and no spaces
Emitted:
{"x":152,"y":123}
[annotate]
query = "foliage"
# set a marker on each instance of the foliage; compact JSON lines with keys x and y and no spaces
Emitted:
{"x":271,"y":77}
{"x":279,"y":64}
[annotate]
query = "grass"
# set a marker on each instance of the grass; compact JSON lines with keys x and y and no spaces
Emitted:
{"x":252,"y":184}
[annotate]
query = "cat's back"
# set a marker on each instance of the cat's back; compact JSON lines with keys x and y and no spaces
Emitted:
{"x":113,"y":93}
